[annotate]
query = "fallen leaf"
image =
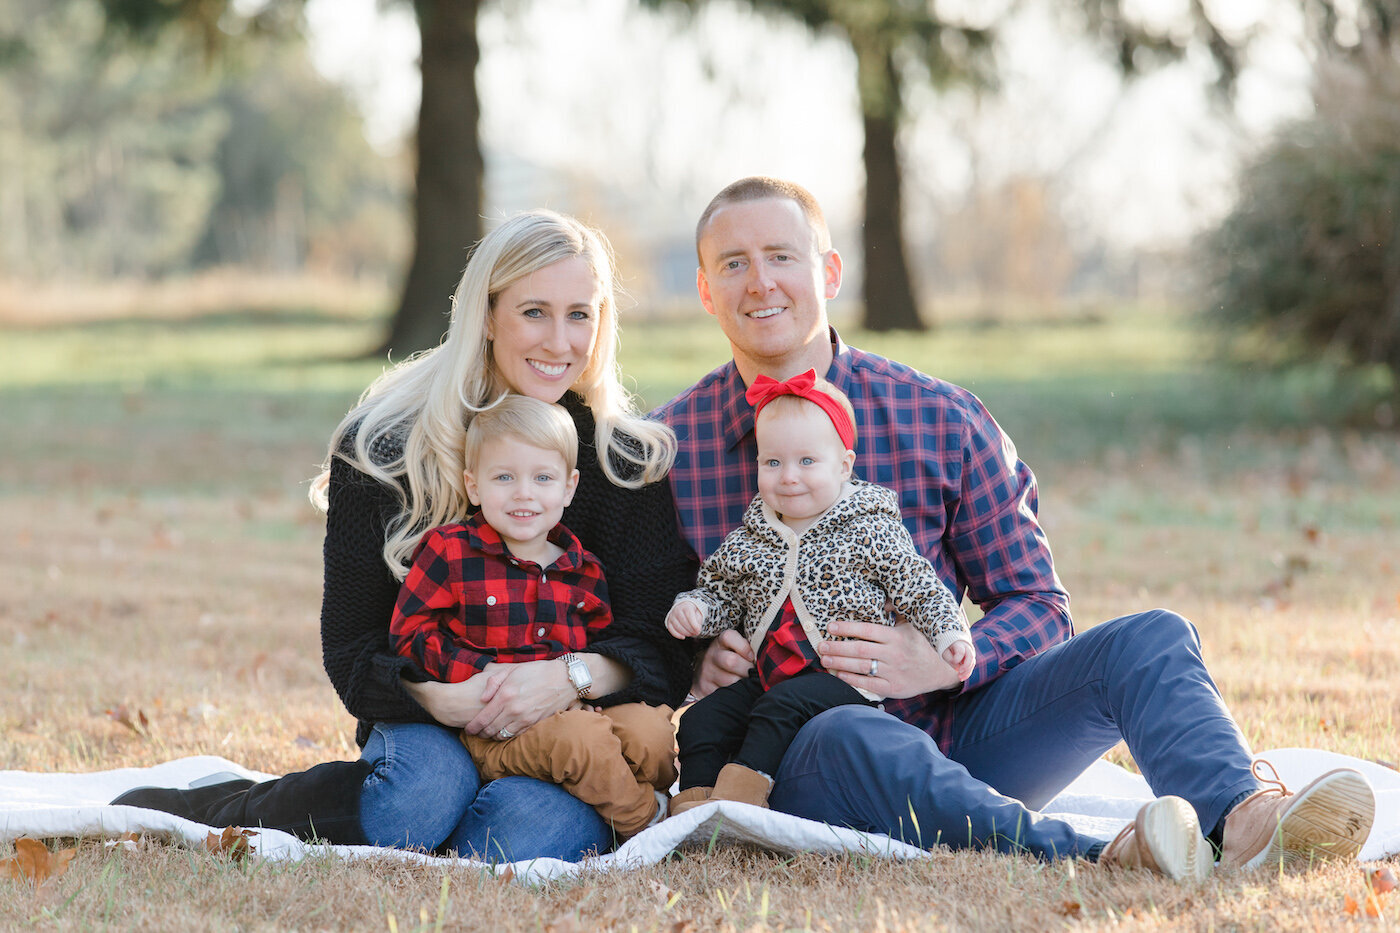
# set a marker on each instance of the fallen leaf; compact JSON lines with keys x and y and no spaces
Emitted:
{"x":1349,"y":906}
{"x":136,"y":721}
{"x":1380,"y":880}
{"x":664,"y":895}
{"x":127,"y":842}
{"x":1373,"y":904}
{"x":506,"y":876}
{"x":1070,"y":909}
{"x":33,"y":861}
{"x":234,"y":841}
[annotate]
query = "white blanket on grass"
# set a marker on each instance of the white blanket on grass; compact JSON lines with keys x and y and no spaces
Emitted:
{"x":1098,"y":803}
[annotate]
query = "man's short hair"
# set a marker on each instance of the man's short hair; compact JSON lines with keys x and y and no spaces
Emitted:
{"x":537,"y":423}
{"x":762,"y":187}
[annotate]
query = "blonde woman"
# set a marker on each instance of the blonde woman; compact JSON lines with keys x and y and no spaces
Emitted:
{"x":534,"y":314}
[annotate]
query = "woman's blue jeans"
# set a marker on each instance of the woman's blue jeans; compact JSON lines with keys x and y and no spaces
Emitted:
{"x":424,"y":793}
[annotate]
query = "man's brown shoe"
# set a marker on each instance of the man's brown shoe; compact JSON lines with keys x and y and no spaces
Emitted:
{"x":1328,"y":819}
{"x":1165,"y":838}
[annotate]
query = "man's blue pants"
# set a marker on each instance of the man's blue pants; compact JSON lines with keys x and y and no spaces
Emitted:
{"x":1020,"y":740}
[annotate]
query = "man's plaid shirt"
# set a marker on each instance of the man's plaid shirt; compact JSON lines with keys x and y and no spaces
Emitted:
{"x":967,"y":499}
{"x":466,"y":602}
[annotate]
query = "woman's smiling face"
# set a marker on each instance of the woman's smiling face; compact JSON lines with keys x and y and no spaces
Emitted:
{"x":543,"y":328}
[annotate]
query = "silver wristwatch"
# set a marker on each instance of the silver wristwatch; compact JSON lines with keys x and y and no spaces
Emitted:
{"x":579,"y":675}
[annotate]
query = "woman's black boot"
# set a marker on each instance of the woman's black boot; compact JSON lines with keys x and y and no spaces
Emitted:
{"x":320,"y":804}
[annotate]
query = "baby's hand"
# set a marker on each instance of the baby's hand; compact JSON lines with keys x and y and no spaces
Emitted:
{"x":685,"y":619}
{"x":960,"y":656}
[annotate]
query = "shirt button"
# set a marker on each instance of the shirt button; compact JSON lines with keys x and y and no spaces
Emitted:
{"x":539,"y":634}
{"x":880,"y":706}
{"x":580,"y":605}
{"x":490,"y":600}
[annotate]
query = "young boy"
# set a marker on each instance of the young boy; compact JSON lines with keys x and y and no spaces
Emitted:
{"x":815,"y":546}
{"x":512,"y":584}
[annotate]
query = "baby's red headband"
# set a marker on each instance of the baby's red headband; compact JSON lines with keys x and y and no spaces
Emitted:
{"x":803,"y":385}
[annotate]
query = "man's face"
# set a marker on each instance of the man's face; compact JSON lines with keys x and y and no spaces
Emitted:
{"x":763,"y":279}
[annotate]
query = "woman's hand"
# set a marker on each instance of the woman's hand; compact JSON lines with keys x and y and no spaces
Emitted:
{"x":903,"y":662}
{"x":454,"y":705}
{"x":729,"y":657}
{"x":520,"y":695}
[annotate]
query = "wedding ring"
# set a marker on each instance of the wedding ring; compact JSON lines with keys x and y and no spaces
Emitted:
{"x":505,"y":734}
{"x":874,"y":667}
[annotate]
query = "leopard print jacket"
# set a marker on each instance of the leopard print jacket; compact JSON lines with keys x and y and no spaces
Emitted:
{"x":854,"y":560}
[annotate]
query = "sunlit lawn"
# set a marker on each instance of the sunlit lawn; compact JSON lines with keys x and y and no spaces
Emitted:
{"x":158,"y":552}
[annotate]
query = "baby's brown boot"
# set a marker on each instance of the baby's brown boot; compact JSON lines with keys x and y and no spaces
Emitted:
{"x":745,"y":785}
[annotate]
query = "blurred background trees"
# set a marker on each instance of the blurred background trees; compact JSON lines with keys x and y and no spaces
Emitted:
{"x":134,"y":161}
{"x":152,"y":138}
{"x":1306,"y":266}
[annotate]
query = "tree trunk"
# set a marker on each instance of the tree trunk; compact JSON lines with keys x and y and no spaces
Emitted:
{"x":447,"y":204}
{"x":889,"y":294}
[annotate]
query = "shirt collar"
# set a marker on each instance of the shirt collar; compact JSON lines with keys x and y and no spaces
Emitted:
{"x":487,"y":540}
{"x":736,"y":414}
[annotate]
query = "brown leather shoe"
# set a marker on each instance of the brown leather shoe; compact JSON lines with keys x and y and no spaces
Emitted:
{"x":688,"y":799}
{"x":1164,"y":838}
{"x":745,"y":785}
{"x":1328,"y":819}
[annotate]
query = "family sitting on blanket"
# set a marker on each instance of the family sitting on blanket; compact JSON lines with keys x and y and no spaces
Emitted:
{"x":962,"y":760}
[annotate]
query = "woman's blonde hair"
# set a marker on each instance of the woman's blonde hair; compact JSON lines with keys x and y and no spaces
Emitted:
{"x":422,"y":406}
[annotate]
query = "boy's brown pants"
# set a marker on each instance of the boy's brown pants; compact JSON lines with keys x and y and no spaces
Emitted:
{"x":610,"y":759}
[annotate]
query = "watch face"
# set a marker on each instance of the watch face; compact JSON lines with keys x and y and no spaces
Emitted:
{"x":579,"y":676}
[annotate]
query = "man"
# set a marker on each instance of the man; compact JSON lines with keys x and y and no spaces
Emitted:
{"x":966,"y":764}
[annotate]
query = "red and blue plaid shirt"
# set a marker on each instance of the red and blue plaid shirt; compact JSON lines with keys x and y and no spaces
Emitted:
{"x":967,"y":499}
{"x":466,"y":602}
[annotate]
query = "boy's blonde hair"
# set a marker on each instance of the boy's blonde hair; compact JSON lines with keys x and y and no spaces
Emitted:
{"x":787,"y":403}
{"x":527,"y":419}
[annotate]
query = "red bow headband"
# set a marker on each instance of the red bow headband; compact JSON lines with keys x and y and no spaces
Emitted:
{"x":803,"y":385}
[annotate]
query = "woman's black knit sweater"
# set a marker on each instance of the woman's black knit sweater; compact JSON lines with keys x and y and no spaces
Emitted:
{"x":633,"y":532}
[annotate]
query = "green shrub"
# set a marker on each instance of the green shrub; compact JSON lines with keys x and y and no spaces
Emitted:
{"x":1307,"y":264}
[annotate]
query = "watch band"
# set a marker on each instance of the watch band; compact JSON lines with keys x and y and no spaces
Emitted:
{"x":579,"y":675}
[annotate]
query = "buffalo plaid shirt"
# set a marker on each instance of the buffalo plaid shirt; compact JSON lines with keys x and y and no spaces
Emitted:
{"x":466,"y":602}
{"x":785,"y":651}
{"x":967,"y":499}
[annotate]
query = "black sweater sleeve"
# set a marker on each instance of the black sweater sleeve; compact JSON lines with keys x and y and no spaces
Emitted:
{"x":634,"y":533}
{"x":357,"y":603}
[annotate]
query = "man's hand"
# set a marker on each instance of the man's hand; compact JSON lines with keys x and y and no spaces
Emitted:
{"x":728,"y":658}
{"x":686,"y":619}
{"x":904,"y":663}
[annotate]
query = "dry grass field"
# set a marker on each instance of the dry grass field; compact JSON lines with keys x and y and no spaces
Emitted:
{"x":161,"y":576}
